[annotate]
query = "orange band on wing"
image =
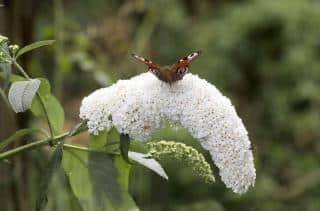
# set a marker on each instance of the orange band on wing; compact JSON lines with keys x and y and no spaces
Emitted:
{"x":186,"y":60}
{"x":147,"y":62}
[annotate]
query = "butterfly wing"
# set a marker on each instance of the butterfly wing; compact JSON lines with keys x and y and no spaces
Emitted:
{"x":184,"y":62}
{"x":147,"y":62}
{"x":180,"y":68}
{"x":172,"y":73}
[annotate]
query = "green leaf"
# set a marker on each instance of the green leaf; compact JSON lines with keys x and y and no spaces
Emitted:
{"x":18,"y":134}
{"x":98,"y":180}
{"x":113,"y":135}
{"x":34,"y":46}
{"x":21,"y":94}
{"x":150,"y":163}
{"x":53,"y":166}
{"x":98,"y":142}
{"x":105,"y":140}
{"x":54,"y":110}
{"x":124,"y":146}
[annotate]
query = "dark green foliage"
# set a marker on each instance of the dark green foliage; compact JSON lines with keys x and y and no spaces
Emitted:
{"x":124,"y":146}
{"x":53,"y":167}
{"x":99,"y":180}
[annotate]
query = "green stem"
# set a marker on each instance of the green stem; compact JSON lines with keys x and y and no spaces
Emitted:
{"x":31,"y":146}
{"x":21,"y":70}
{"x":86,"y":149}
{"x":81,"y":148}
{"x":39,"y":96}
{"x":40,"y":143}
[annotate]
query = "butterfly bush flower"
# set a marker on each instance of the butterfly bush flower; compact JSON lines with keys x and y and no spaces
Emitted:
{"x":142,"y":105}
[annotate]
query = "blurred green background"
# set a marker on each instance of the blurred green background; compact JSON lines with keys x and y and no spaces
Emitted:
{"x":264,"y":55}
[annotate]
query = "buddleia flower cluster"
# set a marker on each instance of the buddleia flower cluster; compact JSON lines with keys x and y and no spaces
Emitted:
{"x":182,"y":153}
{"x":142,"y":105}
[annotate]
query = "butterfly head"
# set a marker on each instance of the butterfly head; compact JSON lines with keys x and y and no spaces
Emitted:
{"x":170,"y":73}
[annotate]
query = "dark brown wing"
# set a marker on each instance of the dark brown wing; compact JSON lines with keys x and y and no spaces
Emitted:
{"x":186,"y":60}
{"x":147,"y":62}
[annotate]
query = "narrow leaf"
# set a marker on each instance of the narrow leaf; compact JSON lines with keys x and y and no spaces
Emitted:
{"x":18,"y":134}
{"x":53,"y":166}
{"x":150,"y":163}
{"x":21,"y":94}
{"x":124,"y":146}
{"x":34,"y":46}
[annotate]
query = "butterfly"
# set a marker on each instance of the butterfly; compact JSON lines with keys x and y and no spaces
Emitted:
{"x":169,"y":73}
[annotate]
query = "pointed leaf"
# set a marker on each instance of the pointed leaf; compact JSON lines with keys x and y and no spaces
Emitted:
{"x":18,"y":134}
{"x":124,"y":146}
{"x":34,"y":46}
{"x":150,"y":163}
{"x":21,"y":94}
{"x":53,"y":166}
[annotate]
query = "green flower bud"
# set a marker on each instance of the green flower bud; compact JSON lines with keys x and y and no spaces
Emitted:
{"x":13,"y":48}
{"x":182,"y":153}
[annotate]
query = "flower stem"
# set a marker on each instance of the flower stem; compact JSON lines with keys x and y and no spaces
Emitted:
{"x":21,"y":70}
{"x":69,"y":146}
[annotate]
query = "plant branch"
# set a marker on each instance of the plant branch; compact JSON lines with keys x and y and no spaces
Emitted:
{"x":81,"y":148}
{"x":55,"y":139}
{"x":31,"y":146}
{"x":86,"y":149}
{"x":21,"y":70}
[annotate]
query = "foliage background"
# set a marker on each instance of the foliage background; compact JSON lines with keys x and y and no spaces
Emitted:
{"x":264,"y":55}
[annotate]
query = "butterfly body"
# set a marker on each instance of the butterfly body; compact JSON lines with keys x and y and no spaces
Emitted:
{"x":169,"y":73}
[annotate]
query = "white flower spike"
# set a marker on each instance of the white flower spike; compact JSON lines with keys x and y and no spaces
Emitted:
{"x":141,"y":105}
